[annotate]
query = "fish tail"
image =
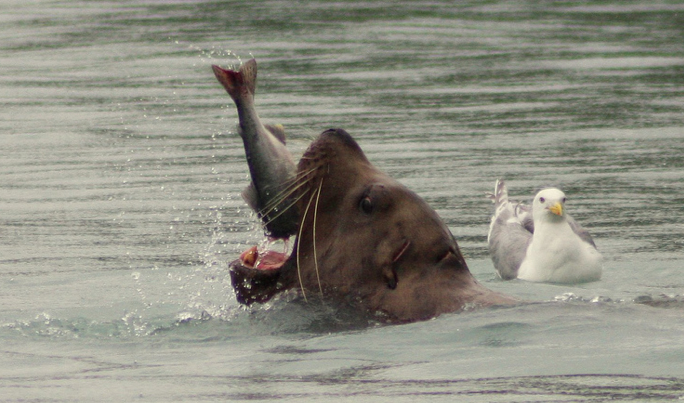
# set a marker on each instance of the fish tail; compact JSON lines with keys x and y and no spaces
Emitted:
{"x":238,"y":83}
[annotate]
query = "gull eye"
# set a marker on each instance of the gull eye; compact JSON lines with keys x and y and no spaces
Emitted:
{"x":542,"y":200}
{"x":564,"y":200}
{"x":366,"y":205}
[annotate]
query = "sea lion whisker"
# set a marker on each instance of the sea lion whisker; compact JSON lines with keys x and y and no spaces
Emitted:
{"x":299,"y":239}
{"x":299,"y":271}
{"x":276,"y":200}
{"x":296,"y":184}
{"x":315,"y":255}
{"x":267,"y":216}
{"x":280,"y":199}
{"x":289,"y":206}
{"x":304,"y":176}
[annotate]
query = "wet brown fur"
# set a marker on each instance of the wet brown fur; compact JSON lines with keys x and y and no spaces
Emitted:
{"x":366,"y":238}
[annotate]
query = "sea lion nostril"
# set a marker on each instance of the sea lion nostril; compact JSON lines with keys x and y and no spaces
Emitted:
{"x":392,"y":281}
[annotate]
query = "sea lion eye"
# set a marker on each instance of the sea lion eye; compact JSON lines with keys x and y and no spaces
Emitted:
{"x":542,"y":200}
{"x":366,"y":205}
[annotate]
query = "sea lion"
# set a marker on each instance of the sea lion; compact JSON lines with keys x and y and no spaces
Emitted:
{"x":364,"y":238}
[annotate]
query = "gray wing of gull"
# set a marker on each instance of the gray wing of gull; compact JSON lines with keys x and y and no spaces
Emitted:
{"x":524,"y":214}
{"x":581,"y":232}
{"x":509,"y":238}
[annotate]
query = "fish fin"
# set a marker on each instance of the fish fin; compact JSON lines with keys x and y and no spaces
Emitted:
{"x":251,"y":196}
{"x":249,"y":75}
{"x":278,"y":131}
{"x":235,"y":82}
{"x":231,"y":81}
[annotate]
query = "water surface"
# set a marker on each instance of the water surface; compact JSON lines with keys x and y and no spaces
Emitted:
{"x":121,"y":174}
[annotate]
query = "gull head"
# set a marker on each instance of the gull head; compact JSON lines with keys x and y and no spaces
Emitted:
{"x":549,"y":205}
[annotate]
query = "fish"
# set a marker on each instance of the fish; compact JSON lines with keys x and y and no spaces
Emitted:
{"x":271,"y":166}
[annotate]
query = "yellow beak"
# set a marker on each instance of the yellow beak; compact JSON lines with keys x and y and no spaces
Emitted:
{"x":557,"y":209}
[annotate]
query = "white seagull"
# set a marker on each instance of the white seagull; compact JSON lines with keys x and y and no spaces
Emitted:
{"x":541,"y":244}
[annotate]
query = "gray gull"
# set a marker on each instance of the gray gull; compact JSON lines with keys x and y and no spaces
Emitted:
{"x":542,"y":243}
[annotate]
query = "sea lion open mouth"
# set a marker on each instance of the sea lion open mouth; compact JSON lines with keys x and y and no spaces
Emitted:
{"x":363,"y":237}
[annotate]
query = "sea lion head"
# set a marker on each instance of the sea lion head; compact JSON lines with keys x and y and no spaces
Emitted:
{"x":366,"y":238}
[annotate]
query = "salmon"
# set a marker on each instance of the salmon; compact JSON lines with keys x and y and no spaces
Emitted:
{"x":271,"y":166}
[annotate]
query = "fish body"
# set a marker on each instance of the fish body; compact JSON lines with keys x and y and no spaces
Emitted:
{"x":271,"y":166}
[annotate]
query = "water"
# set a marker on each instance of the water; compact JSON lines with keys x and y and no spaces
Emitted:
{"x":121,"y":172}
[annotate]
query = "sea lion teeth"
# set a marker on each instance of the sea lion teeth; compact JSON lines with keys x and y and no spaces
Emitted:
{"x":249,"y":257}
